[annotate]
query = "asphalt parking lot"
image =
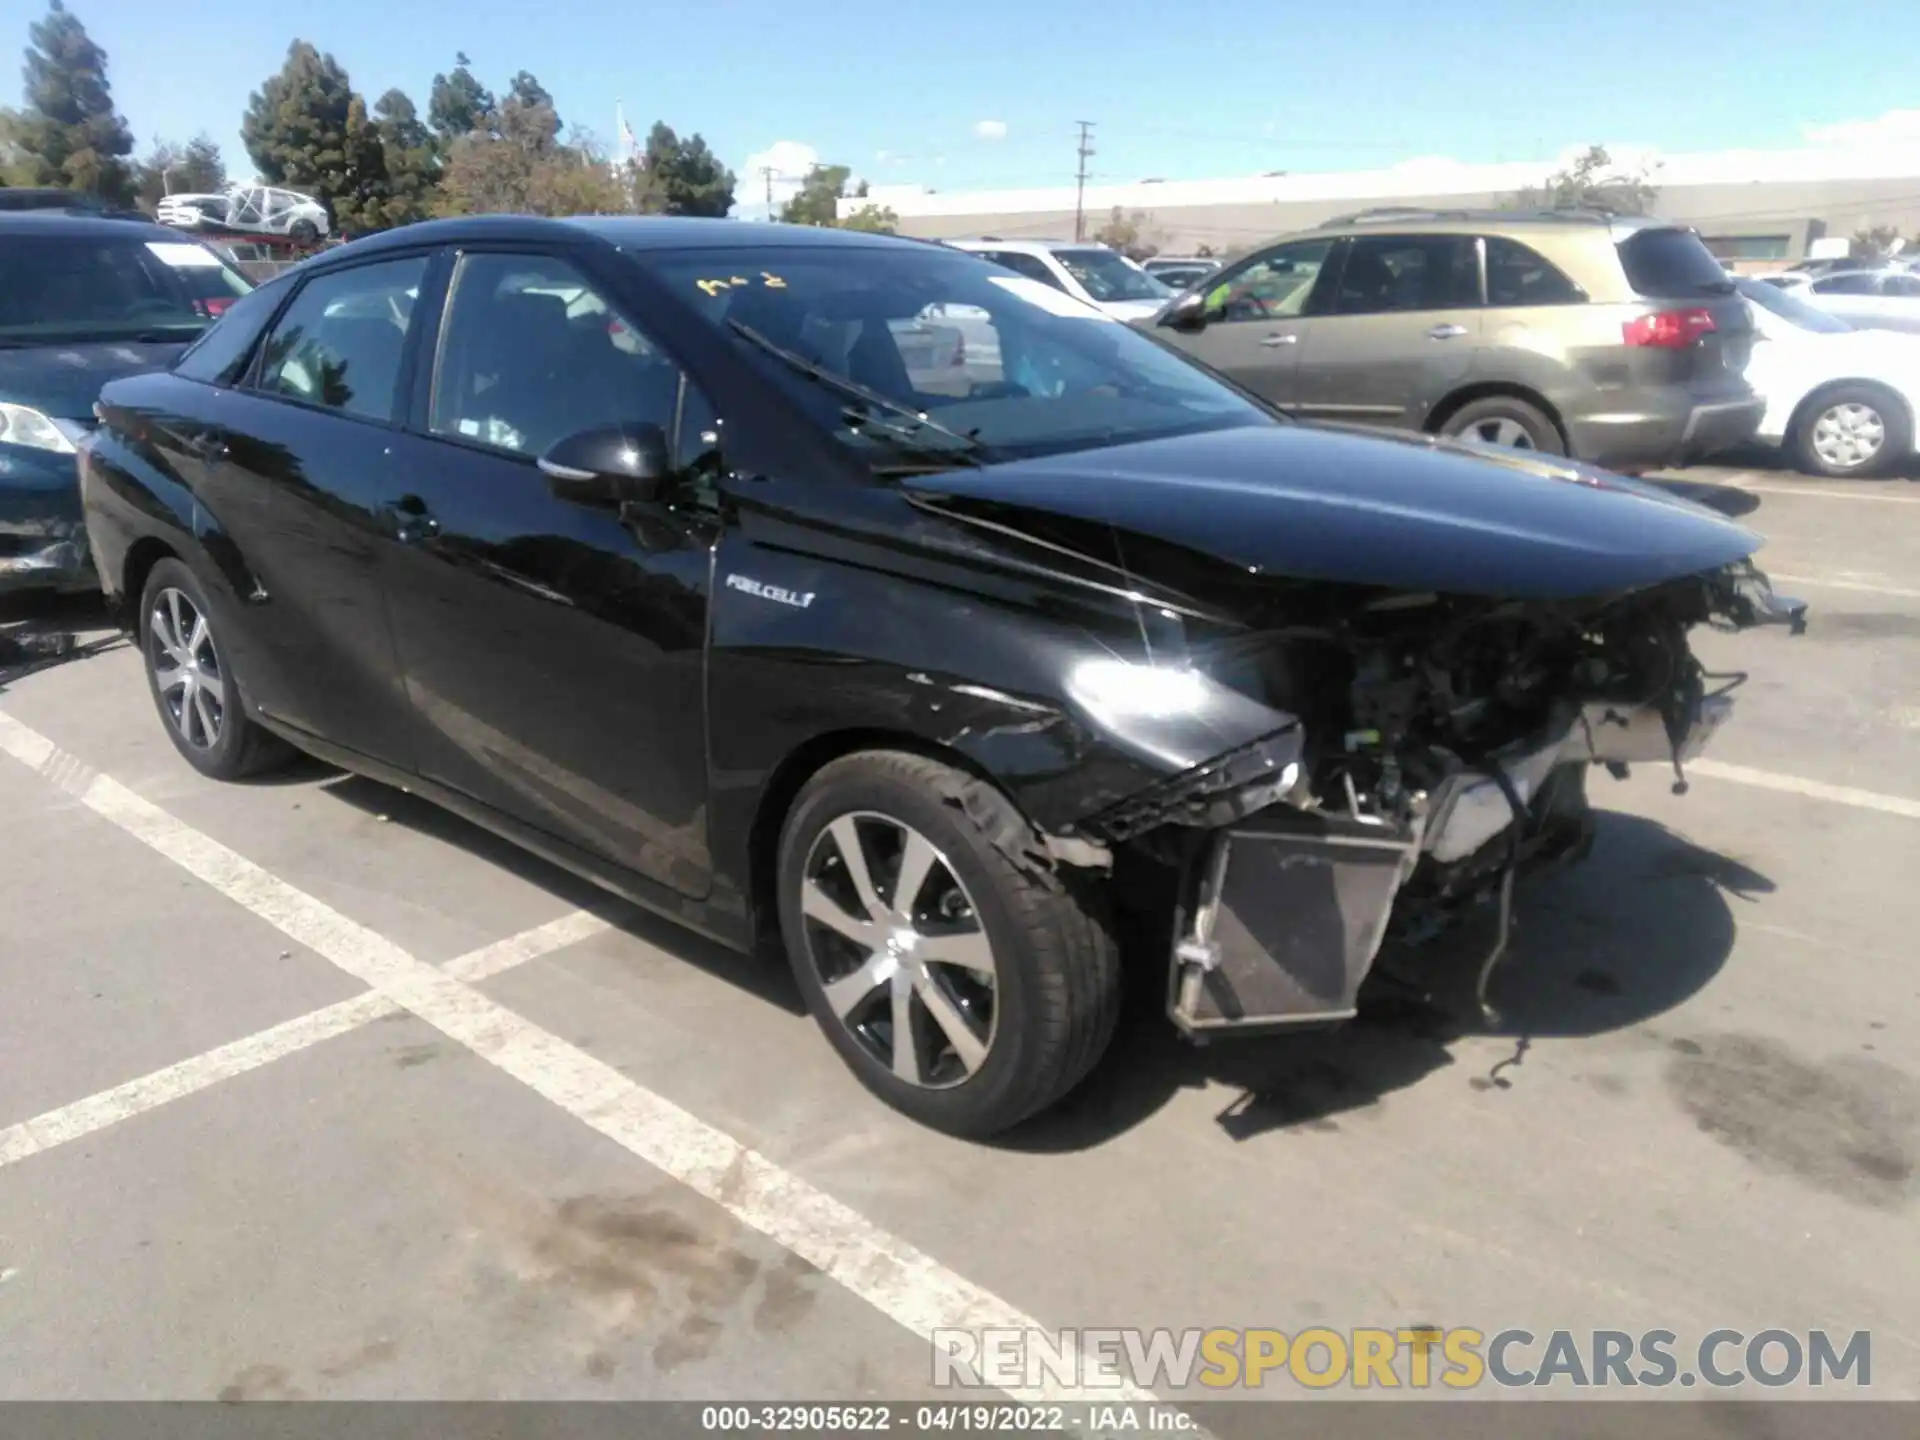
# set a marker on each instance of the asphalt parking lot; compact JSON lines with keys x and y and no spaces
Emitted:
{"x":310,"y":1090}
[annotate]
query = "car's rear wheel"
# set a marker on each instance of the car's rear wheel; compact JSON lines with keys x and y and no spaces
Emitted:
{"x":1851,"y":430}
{"x":193,"y":686}
{"x":965,"y":982}
{"x":1504,"y":420}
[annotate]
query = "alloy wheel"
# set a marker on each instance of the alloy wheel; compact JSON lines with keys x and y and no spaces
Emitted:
{"x":1848,"y":435}
{"x":186,"y":668}
{"x":1500,"y":430}
{"x":899,"y":949}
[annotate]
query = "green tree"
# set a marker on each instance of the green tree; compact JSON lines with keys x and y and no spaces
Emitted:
{"x":68,"y":132}
{"x":1592,"y":182}
{"x":876,"y":219}
{"x":680,"y":177}
{"x":410,"y":158}
{"x":817,"y":200}
{"x":194,"y":168}
{"x":513,"y":161}
{"x":458,"y":104}
{"x":295,"y":127}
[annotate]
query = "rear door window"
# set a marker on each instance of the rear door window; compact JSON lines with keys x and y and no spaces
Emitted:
{"x":1386,"y":273}
{"x":220,"y":354}
{"x":1668,"y":263}
{"x":1905,"y":286}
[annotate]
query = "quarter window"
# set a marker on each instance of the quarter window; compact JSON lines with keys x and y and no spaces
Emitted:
{"x":1907,"y":286}
{"x":531,"y":353}
{"x":1408,"y":272}
{"x":340,"y":343}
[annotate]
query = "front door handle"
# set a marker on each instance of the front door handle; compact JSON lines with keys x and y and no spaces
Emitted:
{"x":1273,"y":342}
{"x":412,"y":521}
{"x":1446,"y":332}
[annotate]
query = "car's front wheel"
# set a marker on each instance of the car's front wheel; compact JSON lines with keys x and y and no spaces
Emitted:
{"x":1851,"y":430}
{"x":193,"y":686}
{"x":965,"y":981}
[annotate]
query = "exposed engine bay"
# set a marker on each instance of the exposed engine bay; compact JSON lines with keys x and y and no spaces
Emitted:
{"x":1442,"y":747}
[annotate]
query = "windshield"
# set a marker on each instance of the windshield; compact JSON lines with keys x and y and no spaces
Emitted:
{"x":1109,"y":275}
{"x":91,"y":287}
{"x":1791,"y":308}
{"x":999,"y":365}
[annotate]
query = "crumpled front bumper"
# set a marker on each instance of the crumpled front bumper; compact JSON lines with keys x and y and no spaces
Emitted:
{"x":43,"y":538}
{"x":1285,"y":910}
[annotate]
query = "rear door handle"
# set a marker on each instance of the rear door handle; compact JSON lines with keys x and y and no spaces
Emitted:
{"x":1275,"y":341}
{"x":412,"y":521}
{"x":1446,"y":332}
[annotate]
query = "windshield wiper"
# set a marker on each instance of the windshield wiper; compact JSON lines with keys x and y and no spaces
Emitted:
{"x":901,"y":431}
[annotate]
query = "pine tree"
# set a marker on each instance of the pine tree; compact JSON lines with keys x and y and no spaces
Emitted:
{"x":68,"y":133}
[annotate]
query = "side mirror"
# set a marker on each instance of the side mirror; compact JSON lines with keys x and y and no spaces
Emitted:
{"x":610,"y":466}
{"x":1187,"y":314}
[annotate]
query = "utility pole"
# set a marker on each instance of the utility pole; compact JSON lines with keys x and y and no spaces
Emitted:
{"x":766,"y":175}
{"x":1080,"y":180}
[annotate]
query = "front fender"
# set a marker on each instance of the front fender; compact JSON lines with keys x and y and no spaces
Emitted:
{"x":1055,"y":699}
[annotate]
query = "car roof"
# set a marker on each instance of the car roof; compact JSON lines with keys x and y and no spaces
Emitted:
{"x":85,"y":223}
{"x":628,"y":232}
{"x":1388,"y":218}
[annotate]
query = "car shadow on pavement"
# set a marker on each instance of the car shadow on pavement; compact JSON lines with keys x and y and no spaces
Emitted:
{"x":39,"y":631}
{"x":1637,"y":930}
{"x":1730,"y":500}
{"x":771,"y":982}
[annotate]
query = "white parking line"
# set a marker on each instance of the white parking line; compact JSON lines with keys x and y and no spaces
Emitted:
{"x":1859,"y":585}
{"x":196,"y":1073}
{"x":901,"y":1281}
{"x":176,"y":1082}
{"x":1812,"y":789}
{"x":1813,"y":494}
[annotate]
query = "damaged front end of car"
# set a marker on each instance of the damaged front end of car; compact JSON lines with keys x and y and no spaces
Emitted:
{"x":1428,"y":750}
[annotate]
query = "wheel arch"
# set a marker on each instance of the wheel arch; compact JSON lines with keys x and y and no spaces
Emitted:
{"x":142,"y":556}
{"x":790,"y":777}
{"x":1457,"y":400}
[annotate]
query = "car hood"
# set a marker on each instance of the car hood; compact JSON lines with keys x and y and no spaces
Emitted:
{"x":63,"y":380}
{"x":1367,"y":508}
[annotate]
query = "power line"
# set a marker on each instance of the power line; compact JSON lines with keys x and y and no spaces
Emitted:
{"x":1080,"y":180}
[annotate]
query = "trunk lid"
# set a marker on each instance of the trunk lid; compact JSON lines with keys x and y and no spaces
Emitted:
{"x":1672,"y":270}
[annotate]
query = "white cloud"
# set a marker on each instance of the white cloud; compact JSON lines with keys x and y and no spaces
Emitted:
{"x":990,"y":129}
{"x":1896,"y":127}
{"x":882,"y":156}
{"x":789,"y":160}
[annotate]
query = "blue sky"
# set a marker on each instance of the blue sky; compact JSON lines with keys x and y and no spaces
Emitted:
{"x":1242,"y":86}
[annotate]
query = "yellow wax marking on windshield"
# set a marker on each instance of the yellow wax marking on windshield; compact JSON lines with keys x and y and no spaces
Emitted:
{"x":774,"y":282}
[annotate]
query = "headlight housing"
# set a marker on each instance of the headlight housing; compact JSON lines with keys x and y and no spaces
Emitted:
{"x":23,"y":425}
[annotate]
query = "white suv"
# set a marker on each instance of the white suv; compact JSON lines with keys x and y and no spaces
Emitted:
{"x":1086,"y":270}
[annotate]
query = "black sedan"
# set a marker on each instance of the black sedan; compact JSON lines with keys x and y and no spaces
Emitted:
{"x":638,"y":541}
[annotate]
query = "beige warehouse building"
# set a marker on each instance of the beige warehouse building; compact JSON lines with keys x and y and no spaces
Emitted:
{"x":1757,"y":208}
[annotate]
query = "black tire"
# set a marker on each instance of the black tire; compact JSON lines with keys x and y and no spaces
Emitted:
{"x":240,"y":746}
{"x":1886,"y":411}
{"x":303,"y":232}
{"x":1056,"y":994}
{"x":1526,"y":425}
